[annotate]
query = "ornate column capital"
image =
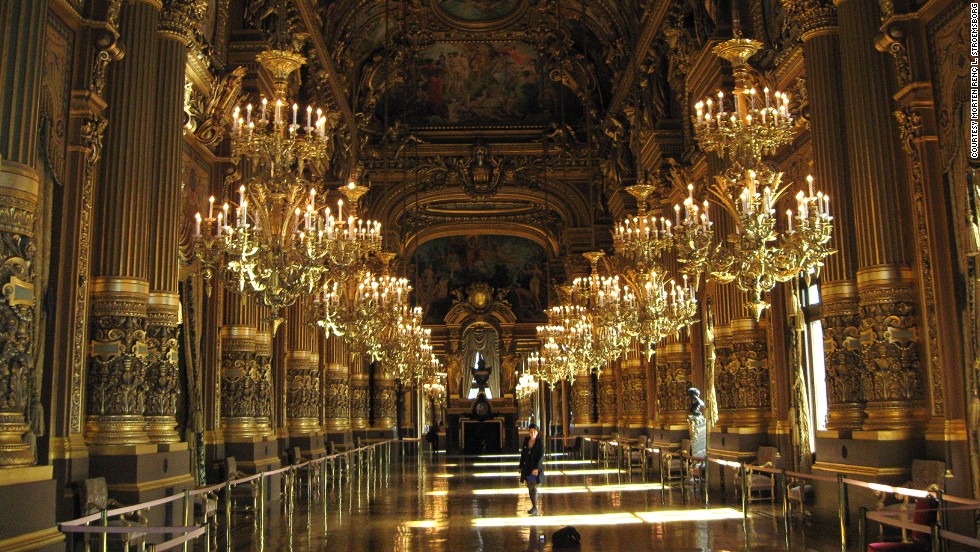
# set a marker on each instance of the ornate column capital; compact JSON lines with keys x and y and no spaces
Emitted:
{"x":811,"y":16}
{"x":180,"y":19}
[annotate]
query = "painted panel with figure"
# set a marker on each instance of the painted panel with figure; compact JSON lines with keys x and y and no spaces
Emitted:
{"x":476,"y":84}
{"x":507,"y":263}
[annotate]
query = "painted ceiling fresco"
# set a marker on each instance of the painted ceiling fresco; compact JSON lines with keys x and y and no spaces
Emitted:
{"x":478,"y":10}
{"x":504,"y":262}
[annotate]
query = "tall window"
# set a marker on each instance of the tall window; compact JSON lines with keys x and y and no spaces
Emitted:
{"x":817,"y":372}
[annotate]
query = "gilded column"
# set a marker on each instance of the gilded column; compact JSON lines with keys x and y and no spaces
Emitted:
{"x":383,"y":400}
{"x":360,"y":393}
{"x":674,"y":377}
{"x":336,"y":387}
{"x":244,"y":383}
{"x":583,"y":402}
{"x":743,"y":377}
{"x":302,"y":376}
{"x":23,"y":26}
{"x":607,"y":398}
{"x":117,"y":380}
{"x":633,"y":379}
{"x":892,"y":383}
{"x":817,"y":20}
{"x":178,"y":22}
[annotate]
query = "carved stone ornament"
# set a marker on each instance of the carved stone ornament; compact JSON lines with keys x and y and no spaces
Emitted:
{"x":890,"y":343}
{"x":842,"y":347}
{"x":892,"y":40}
{"x":336,"y":400}
{"x":302,"y":392}
{"x":182,"y":18}
{"x":16,"y":340}
{"x":385,"y":407}
{"x":163,"y":385}
{"x":360,"y":401}
{"x":811,"y":16}
{"x":118,"y":352}
{"x":479,"y":174}
{"x":582,"y":401}
{"x":607,"y":398}
{"x":673,"y":380}
{"x":210,"y":115}
{"x":634,"y":395}
{"x":910,"y":127}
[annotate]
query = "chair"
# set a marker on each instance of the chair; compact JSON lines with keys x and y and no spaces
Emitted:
{"x":762,"y":486}
{"x":927,"y":475}
{"x":674,"y":466}
{"x":94,"y":499}
{"x":636,"y":453}
{"x":206,"y":514}
{"x":306,"y":472}
{"x":924,"y":512}
{"x":799,"y":494}
{"x":244,"y":496}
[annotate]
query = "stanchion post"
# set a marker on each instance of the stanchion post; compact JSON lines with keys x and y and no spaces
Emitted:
{"x":309,"y":496}
{"x":260,"y":511}
{"x":228,"y":515}
{"x":842,"y":511}
{"x":939,"y":544}
{"x":745,"y":490}
{"x":186,"y":517}
{"x":104,"y":520}
{"x":785,"y":492}
{"x":704,"y":473}
{"x":323,"y":493}
{"x":863,"y":528}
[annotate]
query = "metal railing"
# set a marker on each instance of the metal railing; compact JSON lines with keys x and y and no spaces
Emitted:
{"x":601,"y":450}
{"x":365,"y":461}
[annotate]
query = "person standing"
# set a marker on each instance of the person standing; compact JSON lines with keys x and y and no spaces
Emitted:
{"x":532,"y":472}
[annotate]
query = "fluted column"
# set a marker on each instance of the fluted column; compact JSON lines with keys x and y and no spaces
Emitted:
{"x":178,"y":21}
{"x":117,"y":380}
{"x":23,"y":27}
{"x":336,"y":386}
{"x":889,"y":324}
{"x":674,"y":375}
{"x":633,"y":380}
{"x":817,"y":20}
{"x":302,"y":375}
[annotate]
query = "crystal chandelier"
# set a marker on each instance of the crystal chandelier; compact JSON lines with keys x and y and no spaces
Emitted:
{"x":275,"y":241}
{"x":643,"y":238}
{"x":757,"y":255}
{"x":526,"y":386}
{"x":434,"y":389}
{"x":551,"y":365}
{"x":353,"y":239}
{"x":362,"y":309}
{"x":664,"y":307}
{"x":408,"y":355}
{"x":610,"y":309}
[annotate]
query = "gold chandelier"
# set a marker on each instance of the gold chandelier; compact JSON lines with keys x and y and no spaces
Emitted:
{"x":351,"y":240}
{"x":275,"y":240}
{"x":610,"y":310}
{"x":362,"y":309}
{"x":526,"y":386}
{"x":757,"y":255}
{"x":434,"y":389}
{"x":408,"y":353}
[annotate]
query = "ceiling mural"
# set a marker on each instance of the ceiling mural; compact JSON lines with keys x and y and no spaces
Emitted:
{"x":447,"y":265}
{"x":476,"y":84}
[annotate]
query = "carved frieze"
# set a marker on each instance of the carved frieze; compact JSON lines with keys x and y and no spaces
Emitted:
{"x":889,"y":336}
{"x":302,"y":390}
{"x":336,"y":397}
{"x":181,"y":19}
{"x":583,"y":401}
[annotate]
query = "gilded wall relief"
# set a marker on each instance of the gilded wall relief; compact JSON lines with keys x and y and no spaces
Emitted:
{"x":504,"y":262}
{"x":59,"y":42}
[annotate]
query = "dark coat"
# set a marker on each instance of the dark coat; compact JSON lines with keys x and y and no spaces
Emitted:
{"x":532,"y":458}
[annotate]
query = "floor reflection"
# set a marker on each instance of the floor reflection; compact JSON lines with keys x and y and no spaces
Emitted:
{"x":422,"y":503}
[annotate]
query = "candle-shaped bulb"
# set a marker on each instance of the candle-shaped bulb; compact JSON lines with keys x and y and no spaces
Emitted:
{"x":809,"y":183}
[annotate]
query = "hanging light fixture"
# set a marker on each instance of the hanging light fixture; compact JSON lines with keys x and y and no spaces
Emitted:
{"x":743,"y":127}
{"x":526,"y":386}
{"x":610,"y":310}
{"x":274,"y":240}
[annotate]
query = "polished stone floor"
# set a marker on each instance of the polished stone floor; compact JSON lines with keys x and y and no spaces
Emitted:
{"x":458,"y":503}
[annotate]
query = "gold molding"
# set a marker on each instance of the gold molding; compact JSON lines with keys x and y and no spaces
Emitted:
{"x":18,"y":180}
{"x":947,"y":430}
{"x":33,"y":541}
{"x":66,"y":448}
{"x":152,"y":485}
{"x":26,"y":474}
{"x":906,"y":434}
{"x":119,"y":285}
{"x":857,"y":469}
